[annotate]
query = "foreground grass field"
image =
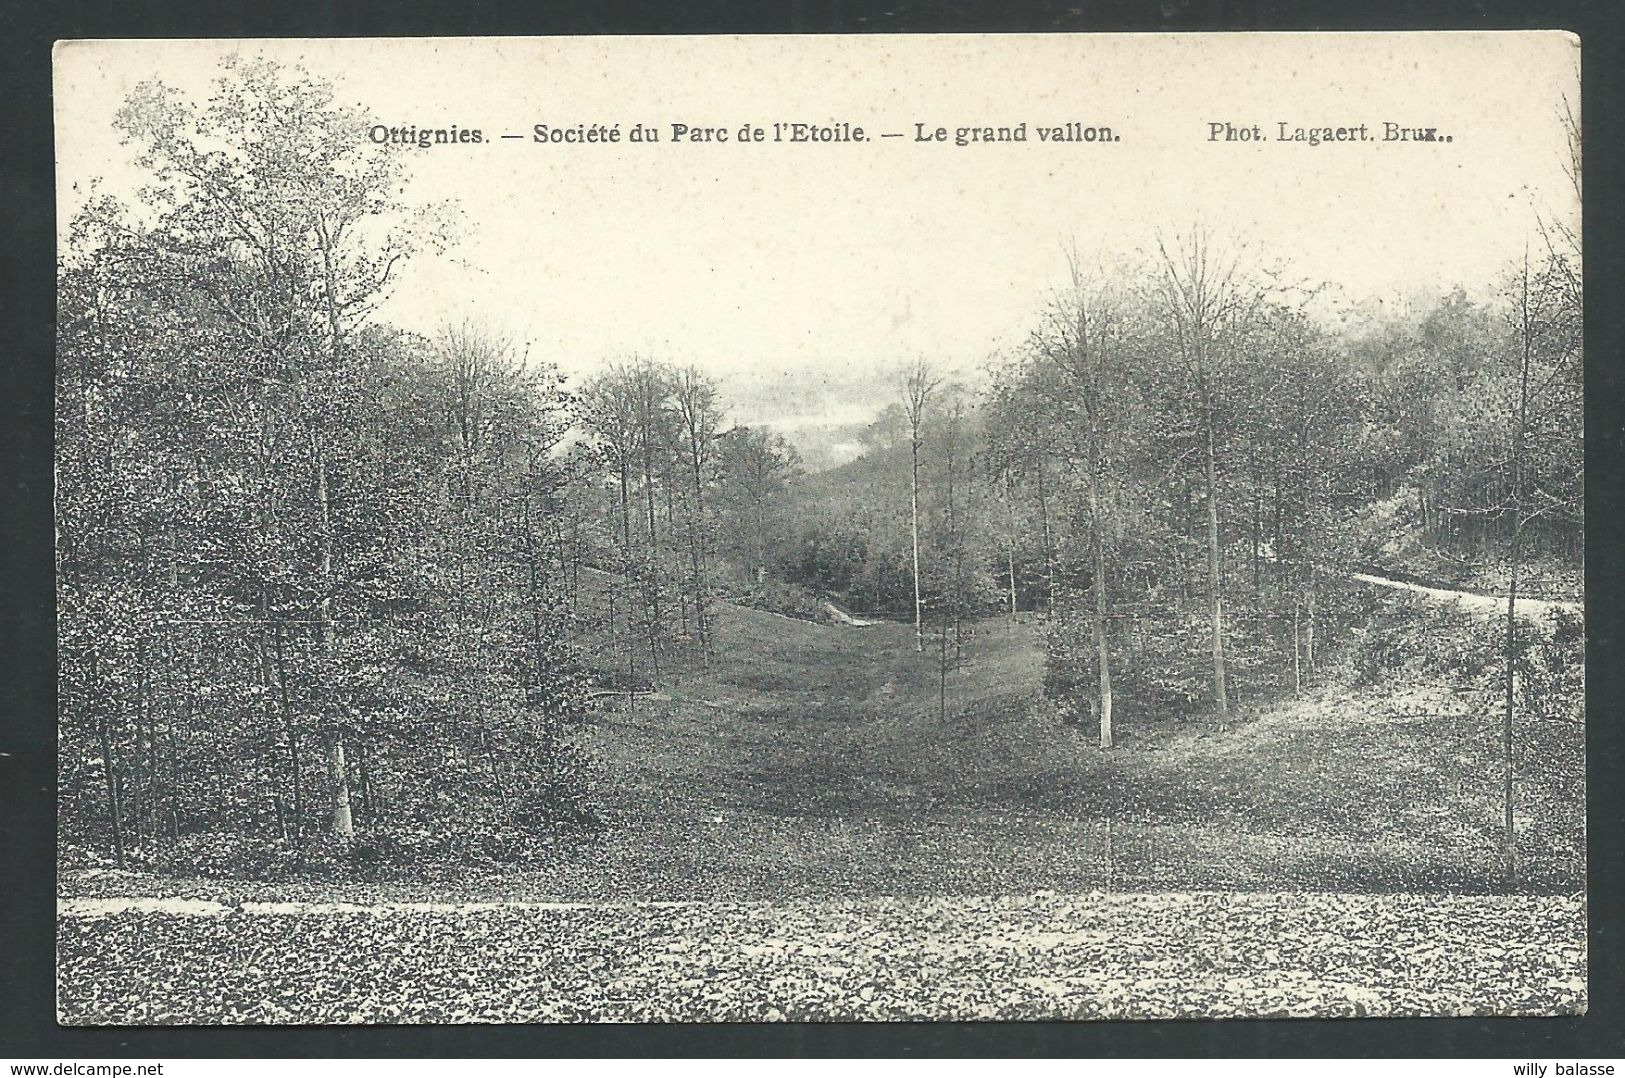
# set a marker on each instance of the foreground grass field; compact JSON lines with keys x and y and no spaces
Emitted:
{"x":801,"y":832}
{"x":1040,"y":956}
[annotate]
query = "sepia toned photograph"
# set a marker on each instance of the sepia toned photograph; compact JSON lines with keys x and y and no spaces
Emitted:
{"x":819,"y":529}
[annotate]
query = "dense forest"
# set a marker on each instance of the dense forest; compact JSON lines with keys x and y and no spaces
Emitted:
{"x":1183,"y":467}
{"x":329,"y":589}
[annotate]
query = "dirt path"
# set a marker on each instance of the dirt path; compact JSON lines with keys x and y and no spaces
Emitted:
{"x":1476,"y":602}
{"x":844,"y":618}
{"x":196,"y":907}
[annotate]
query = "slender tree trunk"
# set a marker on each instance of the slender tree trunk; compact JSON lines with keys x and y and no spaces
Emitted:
{"x":671,"y":536}
{"x":575,"y":562}
{"x":141,"y":758}
{"x":1310,"y":550}
{"x":953,"y":541}
{"x":495,"y":762}
{"x":1257,"y":525}
{"x":1010,"y":533}
{"x":533,"y":596}
{"x":335,"y":334}
{"x":652,"y":585}
{"x":1509,"y":832}
{"x":1221,"y":697}
{"x":110,"y":779}
{"x":1102,"y":645}
{"x":914,"y":536}
{"x":1049,"y":559}
{"x":343,"y":822}
{"x":173,"y":740}
{"x":1520,"y":433}
{"x":364,"y":765}
{"x":627,"y":585}
{"x":1297,"y":641}
{"x":1280,"y":560}
{"x":189,"y":699}
{"x":696,"y":555}
{"x":273,"y":711}
{"x":292,"y":735}
{"x":1309,"y":627}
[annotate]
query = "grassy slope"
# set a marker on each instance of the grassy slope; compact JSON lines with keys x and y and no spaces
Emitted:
{"x":814,"y":757}
{"x":811,"y":761}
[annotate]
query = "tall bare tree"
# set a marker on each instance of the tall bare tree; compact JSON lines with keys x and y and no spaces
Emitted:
{"x":1207,"y":301}
{"x":919,"y":383}
{"x":609,"y":412}
{"x":1082,"y":344}
{"x":696,"y":403}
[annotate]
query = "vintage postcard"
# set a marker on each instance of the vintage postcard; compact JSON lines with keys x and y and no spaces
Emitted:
{"x":820,"y":528}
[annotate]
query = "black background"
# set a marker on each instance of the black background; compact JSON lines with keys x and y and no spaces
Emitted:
{"x":28,"y":1027}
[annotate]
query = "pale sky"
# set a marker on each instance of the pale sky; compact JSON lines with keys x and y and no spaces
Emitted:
{"x":833,"y":261}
